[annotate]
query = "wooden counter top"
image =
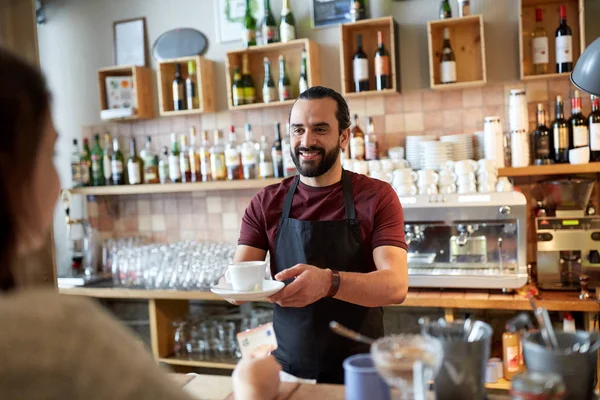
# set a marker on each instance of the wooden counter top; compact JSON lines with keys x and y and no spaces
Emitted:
{"x":553,"y":301}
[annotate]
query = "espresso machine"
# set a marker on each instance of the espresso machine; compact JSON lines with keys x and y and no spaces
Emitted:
{"x":466,"y":241}
{"x":568,"y":235}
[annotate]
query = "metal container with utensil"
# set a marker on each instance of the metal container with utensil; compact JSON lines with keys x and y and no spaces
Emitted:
{"x":575,"y":360}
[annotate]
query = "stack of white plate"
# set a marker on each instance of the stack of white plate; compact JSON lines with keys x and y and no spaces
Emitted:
{"x":462,"y":145}
{"x":413,"y":149}
{"x":479,"y":146}
{"x":434,"y":154}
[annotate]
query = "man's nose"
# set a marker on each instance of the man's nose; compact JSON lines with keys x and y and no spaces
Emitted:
{"x":309,"y":138}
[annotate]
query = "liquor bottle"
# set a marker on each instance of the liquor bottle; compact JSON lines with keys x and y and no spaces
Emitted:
{"x":247,"y":83}
{"x":357,"y":141}
{"x":116,"y":164}
{"x":237,"y":89}
{"x":163,"y":165}
{"x":445,"y":9}
{"x":539,"y":45}
{"x":579,"y":136}
{"x":249,"y":154}
{"x":289,"y":168}
{"x":233,"y":160}
{"x":382,"y":65}
{"x":269,"y":26}
{"x":594,"y":124}
{"x":75,"y":165}
{"x":357,"y":10}
{"x":276,"y":153}
{"x":191,"y":87}
{"x":194,"y":156}
{"x":249,"y":27}
{"x":97,"y":163}
{"x":265,"y":161}
{"x":269,"y":91}
{"x":303,"y":82}
{"x":542,"y":139}
{"x":86,"y":164}
{"x":560,"y":134}
{"x":150,"y":160}
{"x":360,"y":66}
{"x":184,"y":160}
{"x":204,"y":155}
{"x":285,"y":92}
{"x":174,"y":167}
{"x":448,"y":62}
{"x":178,"y":90}
{"x":217,"y":158}
{"x":287,"y":26}
{"x":134,"y":165}
{"x":564,"y":44}
{"x":371,"y":143}
{"x":106,"y":159}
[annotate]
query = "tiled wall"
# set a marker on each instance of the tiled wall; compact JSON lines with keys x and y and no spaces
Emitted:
{"x":217,"y":215}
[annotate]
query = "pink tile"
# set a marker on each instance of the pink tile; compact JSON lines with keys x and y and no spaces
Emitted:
{"x":392,"y":139}
{"x":414,"y":122}
{"x":432,"y":101}
{"x":137,"y":128}
{"x":452,"y":120}
{"x":184,"y":205}
{"x":187,"y":235}
{"x":394,"y":104}
{"x":165,"y":125}
{"x":379,"y":124}
{"x":171,"y":205}
{"x":493,"y":95}
{"x":199,"y":221}
{"x":143,"y":207}
{"x":357,"y":106}
{"x":199,"y":205}
{"x":130,"y":208}
{"x":472,"y":97}
{"x":537,"y":91}
{"x":255,"y":117}
{"x":559,"y":87}
{"x":214,"y":205}
{"x":394,"y":123}
{"x":229,"y":204}
{"x":215,"y":222}
{"x":494,"y":111}
{"x":194,"y":121}
{"x":452,"y":100}
{"x":231,"y":236}
{"x":434,"y":120}
{"x":157,"y":205}
{"x":172,"y":222}
{"x":151,"y":127}
{"x":413,"y":101}
{"x":472,"y":119}
{"x":186,"y":222}
{"x":231,"y":220}
{"x":375,"y":106}
{"x":124,"y":129}
{"x":209,"y":120}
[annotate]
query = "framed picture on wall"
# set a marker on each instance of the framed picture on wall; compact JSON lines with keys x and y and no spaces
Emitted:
{"x":230,"y":16}
{"x":330,"y":12}
{"x":130,"y":42}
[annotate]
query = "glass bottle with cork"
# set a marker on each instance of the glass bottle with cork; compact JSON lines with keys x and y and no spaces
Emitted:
{"x":265,"y":161}
{"x":237,"y":89}
{"x":594,"y":125}
{"x":233,"y":160}
{"x":191,"y":87}
{"x":174,"y":165}
{"x":276,"y":153}
{"x":578,"y":124}
{"x":184,"y":160}
{"x":287,"y":26}
{"x":134,"y":165}
{"x":217,"y":158}
{"x":560,"y":134}
{"x":75,"y":165}
{"x":357,"y":141}
{"x":204,"y":154}
{"x":269,"y":91}
{"x":194,"y":156}
{"x":289,"y":168}
{"x":106,"y":159}
{"x":249,"y":27}
{"x":178,"y":90}
{"x":247,"y":82}
{"x":269,"y":25}
{"x":249,"y":154}
{"x":97,"y":163}
{"x":150,"y":160}
{"x":285,"y":92}
{"x":542,"y":139}
{"x":371,"y":143}
{"x":360,"y":67}
{"x":382,"y":65}
{"x":86,"y":163}
{"x":445,"y":9}
{"x":303,"y":82}
{"x":117,"y":164}
{"x":163,"y":165}
{"x":539,"y":45}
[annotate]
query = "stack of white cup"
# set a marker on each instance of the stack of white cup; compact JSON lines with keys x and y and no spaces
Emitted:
{"x":493,"y":140}
{"x":447,"y":183}
{"x":487,"y":176}
{"x":465,"y":176}
{"x":427,"y":181}
{"x":403,"y":181}
{"x":519,"y":127}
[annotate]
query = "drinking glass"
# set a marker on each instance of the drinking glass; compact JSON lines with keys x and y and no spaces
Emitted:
{"x":180,"y":338}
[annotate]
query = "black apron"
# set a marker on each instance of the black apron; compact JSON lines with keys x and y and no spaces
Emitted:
{"x":307,"y":347}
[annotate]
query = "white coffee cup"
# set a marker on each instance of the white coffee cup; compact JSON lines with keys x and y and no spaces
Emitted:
{"x":428,"y":176}
{"x":579,"y":155}
{"x":361,"y":167}
{"x":382,"y":176}
{"x":348,"y":165}
{"x":467,"y":188}
{"x":406,"y":190}
{"x":447,"y":179}
{"x":387,"y":165}
{"x":465,"y":179}
{"x":374,"y":165}
{"x":504,"y":185}
{"x":448,"y":165}
{"x":486,"y":187}
{"x":486,"y":165}
{"x":428,"y":189}
{"x":465,"y":166}
{"x":400,"y":164}
{"x":488,"y":176}
{"x":447,"y":189}
{"x":403,"y":177}
{"x":396,"y":153}
{"x":246,"y":276}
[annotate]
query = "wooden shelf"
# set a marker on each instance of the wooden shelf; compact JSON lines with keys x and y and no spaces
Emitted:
{"x":468,"y":43}
{"x":370,"y":93}
{"x":126,"y":293}
{"x":501,"y":384}
{"x":368,"y":28}
{"x":546,"y":76}
{"x":197,"y":363}
{"x":555,"y":169}
{"x":458,"y":85}
{"x":143,"y":107}
{"x":174,"y":187}
{"x":205,"y":85}
{"x":291,"y":51}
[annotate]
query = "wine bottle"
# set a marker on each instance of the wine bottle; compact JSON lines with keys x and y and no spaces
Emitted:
{"x":539,"y":45}
{"x":276,"y":153}
{"x":191,"y":87}
{"x":265,"y":161}
{"x":382,"y":65}
{"x":287,"y":26}
{"x":178,"y":90}
{"x":289,"y":168}
{"x":448,"y":62}
{"x":560,"y":134}
{"x":163,"y":165}
{"x":249,"y":27}
{"x":184,"y":160}
{"x":247,"y":83}
{"x":204,"y":153}
{"x":134,"y":165}
{"x":194,"y":156}
{"x":578,"y":129}
{"x":116,"y":164}
{"x":233,"y":160}
{"x":285,"y":92}
{"x":174,"y":167}
{"x":303,"y":83}
{"x":360,"y":67}
{"x":85,"y":163}
{"x":217,"y":158}
{"x":564,"y":44}
{"x":542,"y":146}
{"x":594,"y":123}
{"x":269,"y":26}
{"x":357,"y":10}
{"x":76,"y":165}
{"x":237,"y":89}
{"x":150,"y":160}
{"x":249,"y":155}
{"x":357,"y":141}
{"x":445,"y":9}
{"x":97,"y":163}
{"x":106,"y":159}
{"x":371,"y":143}
{"x":269,"y":92}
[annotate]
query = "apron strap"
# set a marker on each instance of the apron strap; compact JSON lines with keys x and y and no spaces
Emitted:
{"x":289,"y":198}
{"x":348,"y":197}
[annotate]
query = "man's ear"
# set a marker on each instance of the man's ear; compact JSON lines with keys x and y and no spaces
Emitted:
{"x":344,"y":138}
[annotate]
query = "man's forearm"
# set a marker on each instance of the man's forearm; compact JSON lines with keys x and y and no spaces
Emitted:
{"x":374,"y":289}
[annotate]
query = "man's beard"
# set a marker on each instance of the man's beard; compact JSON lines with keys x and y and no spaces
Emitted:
{"x":308,"y":168}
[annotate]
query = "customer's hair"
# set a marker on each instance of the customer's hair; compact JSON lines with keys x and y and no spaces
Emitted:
{"x":342,"y":113}
{"x":24,"y":106}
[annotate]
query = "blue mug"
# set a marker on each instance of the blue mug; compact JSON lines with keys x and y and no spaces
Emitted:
{"x":361,"y":380}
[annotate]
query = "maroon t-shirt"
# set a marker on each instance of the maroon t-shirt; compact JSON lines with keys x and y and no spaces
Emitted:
{"x":377,"y":208}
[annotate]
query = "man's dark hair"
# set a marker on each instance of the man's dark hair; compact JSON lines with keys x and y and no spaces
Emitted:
{"x":342,"y":113}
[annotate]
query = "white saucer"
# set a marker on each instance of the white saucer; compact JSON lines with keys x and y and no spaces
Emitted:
{"x":225,"y":290}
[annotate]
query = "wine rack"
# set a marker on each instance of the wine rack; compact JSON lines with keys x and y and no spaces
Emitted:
{"x":143,"y":107}
{"x":348,"y":44}
{"x":468,"y":43}
{"x":550,"y":12}
{"x":205,"y":85}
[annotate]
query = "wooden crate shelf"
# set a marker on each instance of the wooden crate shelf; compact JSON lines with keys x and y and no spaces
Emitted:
{"x":548,"y":170}
{"x":217,"y":364}
{"x":291,"y":51}
{"x":142,"y":83}
{"x":368,"y":28}
{"x":205,"y":80}
{"x":550,"y":10}
{"x":468,"y":43}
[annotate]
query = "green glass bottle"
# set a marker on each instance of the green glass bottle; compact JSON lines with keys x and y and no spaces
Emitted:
{"x":247,"y":83}
{"x":249,"y":27}
{"x":445,"y":9}
{"x":134,"y":165}
{"x":303,"y":82}
{"x":269,"y":26}
{"x":269,"y":91}
{"x":284,"y":81}
{"x":86,"y":164}
{"x":97,"y":163}
{"x":237,"y":89}
{"x":287,"y":26}
{"x":116,"y":165}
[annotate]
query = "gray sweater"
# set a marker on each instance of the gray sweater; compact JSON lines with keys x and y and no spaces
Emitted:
{"x":56,"y":347}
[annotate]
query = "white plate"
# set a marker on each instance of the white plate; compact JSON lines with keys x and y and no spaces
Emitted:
{"x":225,"y":290}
